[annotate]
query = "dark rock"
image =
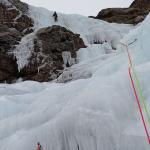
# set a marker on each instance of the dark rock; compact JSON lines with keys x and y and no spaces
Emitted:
{"x":8,"y":68}
{"x":11,"y":16}
{"x":14,"y":24}
{"x":8,"y":38}
{"x":20,"y":5}
{"x":141,"y":4}
{"x":92,"y":17}
{"x":136,"y":13}
{"x":46,"y":62}
{"x":7,"y":15}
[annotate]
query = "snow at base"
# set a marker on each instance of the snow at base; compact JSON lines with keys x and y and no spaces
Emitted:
{"x":96,"y":112}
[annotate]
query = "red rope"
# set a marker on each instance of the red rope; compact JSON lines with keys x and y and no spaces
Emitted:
{"x":127,"y":52}
{"x":138,"y":102}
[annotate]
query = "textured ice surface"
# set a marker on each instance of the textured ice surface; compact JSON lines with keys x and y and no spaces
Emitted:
{"x":24,"y":50}
{"x":97,"y":113}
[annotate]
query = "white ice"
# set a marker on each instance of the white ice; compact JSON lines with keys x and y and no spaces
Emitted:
{"x":24,"y":50}
{"x":97,"y":110}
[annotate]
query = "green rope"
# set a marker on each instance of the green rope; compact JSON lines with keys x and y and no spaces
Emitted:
{"x":142,"y":99}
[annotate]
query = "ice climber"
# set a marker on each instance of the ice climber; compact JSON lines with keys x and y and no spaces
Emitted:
{"x":39,"y":147}
{"x":55,"y":16}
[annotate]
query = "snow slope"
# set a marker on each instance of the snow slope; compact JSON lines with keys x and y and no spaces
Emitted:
{"x":96,"y":111}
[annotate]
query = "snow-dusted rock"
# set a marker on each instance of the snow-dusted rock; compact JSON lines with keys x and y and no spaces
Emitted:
{"x":36,"y":64}
{"x":14,"y":24}
{"x":39,"y":56}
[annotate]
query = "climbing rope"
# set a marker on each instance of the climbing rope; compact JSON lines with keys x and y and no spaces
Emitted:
{"x":141,"y":94}
{"x":142,"y":99}
{"x":139,"y":97}
{"x":138,"y":102}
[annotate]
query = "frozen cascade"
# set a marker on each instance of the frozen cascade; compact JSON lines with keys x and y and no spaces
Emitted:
{"x":23,"y":51}
{"x":97,"y":113}
{"x":67,"y":58}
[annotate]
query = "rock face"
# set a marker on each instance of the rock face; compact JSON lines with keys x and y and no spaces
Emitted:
{"x":8,"y":69}
{"x":136,"y":13}
{"x":142,"y":4}
{"x":14,"y":24}
{"x":8,"y":66}
{"x":15,"y":16}
{"x":50,"y":45}
{"x":46,"y":62}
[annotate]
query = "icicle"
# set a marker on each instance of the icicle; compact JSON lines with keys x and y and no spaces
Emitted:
{"x":66,"y":55}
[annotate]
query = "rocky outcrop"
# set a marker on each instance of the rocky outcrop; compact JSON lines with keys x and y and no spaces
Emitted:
{"x":9,"y":37}
{"x":46,"y":62}
{"x":16,"y":16}
{"x":141,"y":4}
{"x":8,"y":67}
{"x":49,"y":46}
{"x":136,"y":13}
{"x":14,"y":24}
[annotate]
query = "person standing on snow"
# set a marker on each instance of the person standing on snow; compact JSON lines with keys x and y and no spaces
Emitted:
{"x":55,"y":16}
{"x":39,"y":147}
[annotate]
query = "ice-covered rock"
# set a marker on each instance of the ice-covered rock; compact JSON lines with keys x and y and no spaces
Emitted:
{"x":22,"y":17}
{"x":39,"y":55}
{"x":14,"y":24}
